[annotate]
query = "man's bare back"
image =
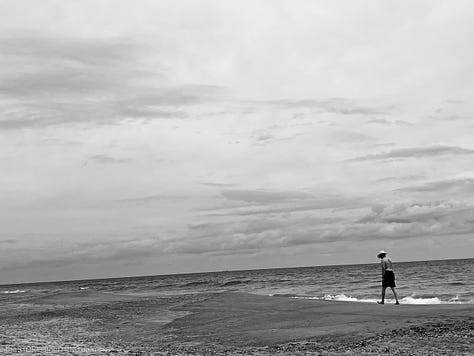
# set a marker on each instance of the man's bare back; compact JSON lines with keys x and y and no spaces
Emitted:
{"x":388,"y":276}
{"x":387,"y":264}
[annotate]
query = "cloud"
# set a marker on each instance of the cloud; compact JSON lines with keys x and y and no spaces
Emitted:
{"x":54,"y":80}
{"x":218,"y":184}
{"x":333,"y":105}
{"x":454,"y":101}
{"x":402,"y":178}
{"x":410,"y":213}
{"x":253,"y":234}
{"x":351,"y":137}
{"x":86,"y":51}
{"x":388,"y":122}
{"x":384,"y":222}
{"x":150,"y":198}
{"x":465,"y":186}
{"x":264,"y":137}
{"x":130,"y":250}
{"x":106,"y":159}
{"x":37,"y":65}
{"x":416,"y":152}
{"x":453,"y":110}
{"x":273,"y":134}
{"x":263,"y":196}
{"x":290,"y":206}
{"x":8,"y":241}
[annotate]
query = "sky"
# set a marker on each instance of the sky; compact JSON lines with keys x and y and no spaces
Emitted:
{"x":156,"y":137}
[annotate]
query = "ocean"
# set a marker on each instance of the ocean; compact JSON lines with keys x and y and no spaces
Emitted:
{"x":423,"y":282}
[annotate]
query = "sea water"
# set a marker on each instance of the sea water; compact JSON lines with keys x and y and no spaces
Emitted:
{"x":424,"y":282}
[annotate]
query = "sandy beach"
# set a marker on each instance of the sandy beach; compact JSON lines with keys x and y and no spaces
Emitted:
{"x":97,"y":323}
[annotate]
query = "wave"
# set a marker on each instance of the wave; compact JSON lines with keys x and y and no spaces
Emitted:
{"x":405,"y":300}
{"x":236,"y":282}
{"x":456,"y":284}
{"x":289,"y":295}
{"x":16,"y":291}
{"x":195,"y":283}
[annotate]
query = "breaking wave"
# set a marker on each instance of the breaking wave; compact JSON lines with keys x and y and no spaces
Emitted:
{"x":405,"y":300}
{"x":16,"y":291}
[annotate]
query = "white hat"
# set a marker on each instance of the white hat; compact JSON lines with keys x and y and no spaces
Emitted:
{"x":381,"y":252}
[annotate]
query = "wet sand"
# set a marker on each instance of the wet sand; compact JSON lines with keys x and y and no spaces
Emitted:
{"x":95,"y":323}
{"x":276,"y":324}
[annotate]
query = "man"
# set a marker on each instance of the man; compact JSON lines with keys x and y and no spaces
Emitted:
{"x":388,"y":277}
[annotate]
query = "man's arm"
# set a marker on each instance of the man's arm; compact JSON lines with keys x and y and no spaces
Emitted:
{"x":383,"y":268}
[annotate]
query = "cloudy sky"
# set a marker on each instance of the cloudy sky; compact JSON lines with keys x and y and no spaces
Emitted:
{"x":158,"y":137}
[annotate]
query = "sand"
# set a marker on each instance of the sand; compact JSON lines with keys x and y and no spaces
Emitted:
{"x":95,"y":323}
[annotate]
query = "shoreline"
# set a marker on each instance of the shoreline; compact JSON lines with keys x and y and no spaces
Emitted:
{"x":229,"y":323}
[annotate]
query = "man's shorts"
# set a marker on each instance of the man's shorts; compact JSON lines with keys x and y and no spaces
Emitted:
{"x":388,"y":279}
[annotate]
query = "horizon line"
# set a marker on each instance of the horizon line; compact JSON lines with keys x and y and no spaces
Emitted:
{"x":219,"y":271}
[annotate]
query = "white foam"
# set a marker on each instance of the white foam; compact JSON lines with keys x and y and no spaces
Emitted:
{"x":340,"y":298}
{"x":405,"y":300}
{"x":344,"y":298}
{"x":16,"y":291}
{"x":412,"y":300}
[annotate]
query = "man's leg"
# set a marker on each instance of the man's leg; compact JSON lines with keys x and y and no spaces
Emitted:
{"x":394,"y":290}
{"x":383,"y":295}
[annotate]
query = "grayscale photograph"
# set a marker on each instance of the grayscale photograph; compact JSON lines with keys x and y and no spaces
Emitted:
{"x":252,"y":177}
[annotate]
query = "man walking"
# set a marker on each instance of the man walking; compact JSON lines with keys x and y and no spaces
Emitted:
{"x":388,"y":277}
